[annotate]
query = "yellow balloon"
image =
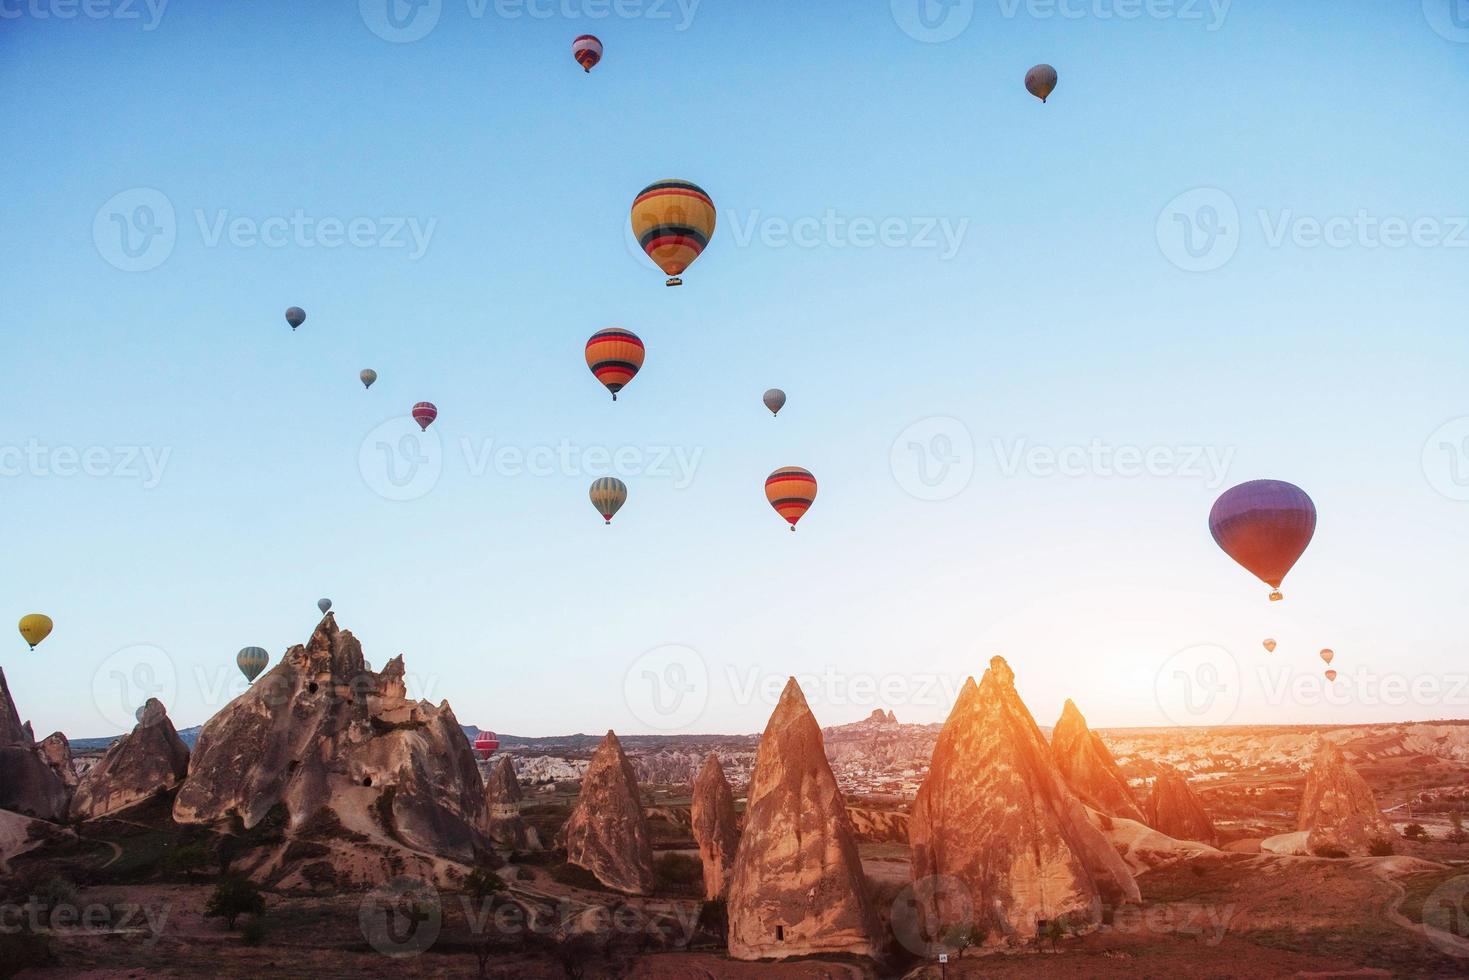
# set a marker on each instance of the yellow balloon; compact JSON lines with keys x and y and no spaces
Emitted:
{"x":35,"y":628}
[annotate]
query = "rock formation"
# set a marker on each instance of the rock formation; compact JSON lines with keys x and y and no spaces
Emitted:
{"x":502,"y":799}
{"x":714,"y":826}
{"x":29,"y":783}
{"x":797,"y":887}
{"x":1337,"y":807}
{"x":320,"y":731}
{"x":56,"y":750}
{"x":1088,"y":767}
{"x":148,"y":759}
{"x":995,"y":814}
{"x":1174,"y":809}
{"x":607,"y":833}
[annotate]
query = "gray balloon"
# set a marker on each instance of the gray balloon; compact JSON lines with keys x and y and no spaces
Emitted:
{"x":325,"y":605}
{"x":1040,"y":81}
{"x":775,"y":400}
{"x":295,"y":316}
{"x":368,"y":376}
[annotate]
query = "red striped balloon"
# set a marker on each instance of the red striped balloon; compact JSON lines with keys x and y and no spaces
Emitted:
{"x":790,"y":491}
{"x":424,"y":413}
{"x":614,"y":355}
{"x":587,"y":51}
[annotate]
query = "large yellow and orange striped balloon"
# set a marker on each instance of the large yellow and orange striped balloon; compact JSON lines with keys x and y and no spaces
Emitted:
{"x":614,"y":355}
{"x":790,"y":491}
{"x":673,"y":220}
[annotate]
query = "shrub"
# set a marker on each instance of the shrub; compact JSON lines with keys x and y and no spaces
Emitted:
{"x":524,"y":874}
{"x":1415,"y":831}
{"x":254,"y":932}
{"x":481,"y":884}
{"x":714,"y":920}
{"x":576,"y":876}
{"x":1379,"y":847}
{"x":188,"y":860}
{"x":678,"y":872}
{"x":1328,"y":851}
{"x":56,"y":891}
{"x":232,"y":898}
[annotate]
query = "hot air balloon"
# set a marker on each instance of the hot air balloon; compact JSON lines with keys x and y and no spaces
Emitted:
{"x":790,"y":491}
{"x":608,"y":495}
{"x":1264,"y":525}
{"x":587,"y":51}
{"x":774,"y":399}
{"x":673,"y":220}
{"x":1331,"y":675}
{"x":424,"y":414}
{"x":614,"y":355}
{"x":1327,"y":656}
{"x":251,"y":661}
{"x":295,"y":316}
{"x":325,"y":605}
{"x":368,"y":376}
{"x":1040,"y":81}
{"x":485,"y":743}
{"x":35,"y":628}
{"x":1269,"y":646}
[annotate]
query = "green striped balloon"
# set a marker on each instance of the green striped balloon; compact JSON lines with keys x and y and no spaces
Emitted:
{"x":252,"y":661}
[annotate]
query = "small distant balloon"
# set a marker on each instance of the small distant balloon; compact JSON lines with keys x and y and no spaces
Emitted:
{"x":1269,"y":646}
{"x":368,"y":376}
{"x":774,"y":399}
{"x":35,"y":628}
{"x":790,"y":490}
{"x":608,"y":495}
{"x":1331,"y":675}
{"x":615,"y":356}
{"x":485,"y":743}
{"x":1327,"y":656}
{"x":141,"y":710}
{"x":587,"y":51}
{"x":295,"y":316}
{"x":325,"y":605}
{"x":252,"y":660}
{"x":424,"y":414}
{"x":1040,"y":81}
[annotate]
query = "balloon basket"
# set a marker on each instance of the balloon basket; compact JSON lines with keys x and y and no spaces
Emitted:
{"x":674,"y":281}
{"x":1276,"y":597}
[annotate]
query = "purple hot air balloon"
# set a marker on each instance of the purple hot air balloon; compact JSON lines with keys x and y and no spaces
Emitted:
{"x":1264,"y":525}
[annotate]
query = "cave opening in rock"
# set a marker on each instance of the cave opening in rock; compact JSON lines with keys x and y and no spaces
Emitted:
{"x":780,"y":934}
{"x":311,"y":688}
{"x":366,"y":780}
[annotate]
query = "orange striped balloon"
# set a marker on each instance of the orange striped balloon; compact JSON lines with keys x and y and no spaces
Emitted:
{"x":673,"y":220}
{"x":790,"y":491}
{"x":614,"y":355}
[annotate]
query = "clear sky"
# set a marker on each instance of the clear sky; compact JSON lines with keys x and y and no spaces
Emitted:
{"x":1031,"y":293}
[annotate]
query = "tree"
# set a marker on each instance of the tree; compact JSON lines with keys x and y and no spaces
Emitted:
{"x":714,"y":919}
{"x":481,"y":884}
{"x":961,"y":935}
{"x":232,"y":898}
{"x":189,"y":860}
{"x":1055,"y":929}
{"x":1379,"y":847}
{"x":1415,"y":831}
{"x":1457,"y":835}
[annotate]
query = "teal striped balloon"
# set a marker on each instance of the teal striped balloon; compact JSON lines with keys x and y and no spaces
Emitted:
{"x":252,"y":661}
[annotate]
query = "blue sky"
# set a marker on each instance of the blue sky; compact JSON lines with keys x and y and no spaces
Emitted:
{"x":1031,"y":296}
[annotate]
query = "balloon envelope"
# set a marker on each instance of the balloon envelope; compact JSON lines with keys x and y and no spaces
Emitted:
{"x":368,"y":376}
{"x":1264,"y":525}
{"x":325,"y":605}
{"x":673,"y":220}
{"x":485,"y":743}
{"x":295,"y":316}
{"x":608,"y":495}
{"x":1331,"y":675}
{"x":774,"y":400}
{"x":615,"y":356}
{"x":424,"y":414}
{"x":587,"y":51}
{"x":35,"y":628}
{"x":1269,"y":646}
{"x":1040,"y":81}
{"x":1328,"y":655}
{"x":251,"y":661}
{"x":790,"y":490}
